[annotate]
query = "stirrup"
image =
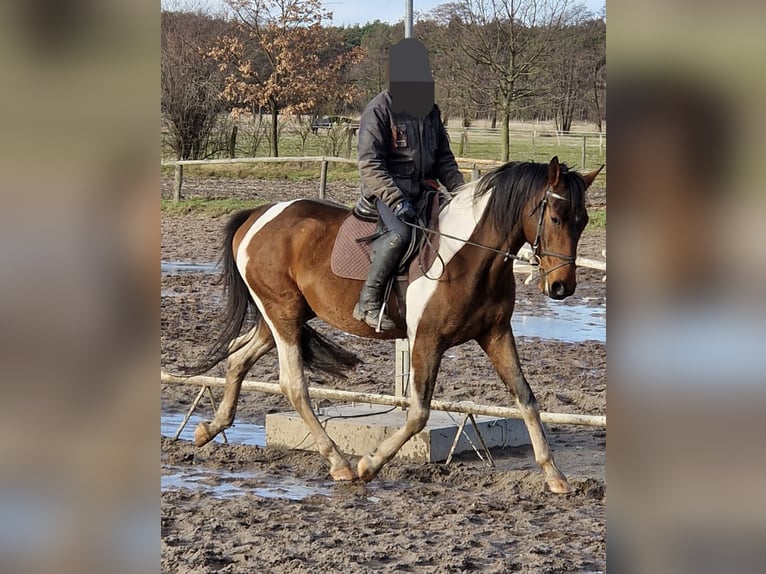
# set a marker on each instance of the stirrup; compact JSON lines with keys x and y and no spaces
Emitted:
{"x":375,"y":318}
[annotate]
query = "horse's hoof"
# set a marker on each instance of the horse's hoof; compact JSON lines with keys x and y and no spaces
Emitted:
{"x":345,"y":473}
{"x":559,"y":486}
{"x":365,"y":470}
{"x":202,"y":434}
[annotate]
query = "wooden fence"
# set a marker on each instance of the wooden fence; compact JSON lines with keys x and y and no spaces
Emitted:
{"x":474,"y":166}
{"x":323,"y":160}
{"x":466,"y":407}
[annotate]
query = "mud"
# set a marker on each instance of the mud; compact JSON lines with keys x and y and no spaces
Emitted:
{"x":281,"y":511}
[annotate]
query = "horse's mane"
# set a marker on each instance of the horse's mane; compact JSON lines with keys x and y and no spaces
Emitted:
{"x":515,"y":183}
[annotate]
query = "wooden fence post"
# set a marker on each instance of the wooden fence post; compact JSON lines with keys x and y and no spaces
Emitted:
{"x":233,"y":141}
{"x":475,"y":174}
{"x":179,"y":180}
{"x":534,"y":145}
{"x":584,"y":139}
{"x":463,"y":144}
{"x":323,"y":179}
{"x":349,"y":137}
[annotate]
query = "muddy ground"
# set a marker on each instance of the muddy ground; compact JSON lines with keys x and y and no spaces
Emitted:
{"x":414,"y":517}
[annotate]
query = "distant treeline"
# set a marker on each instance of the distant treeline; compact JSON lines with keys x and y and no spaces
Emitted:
{"x":492,"y":59}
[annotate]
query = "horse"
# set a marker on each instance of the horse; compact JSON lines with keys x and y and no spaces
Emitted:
{"x":276,"y":265}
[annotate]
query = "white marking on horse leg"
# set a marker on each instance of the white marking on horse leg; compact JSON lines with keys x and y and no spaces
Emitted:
{"x":501,"y":349}
{"x":556,"y":480}
{"x":294,"y":386}
{"x":291,"y":378}
{"x":417,"y":418}
{"x":253,"y":345}
{"x":259,"y":342}
{"x":421,"y":387}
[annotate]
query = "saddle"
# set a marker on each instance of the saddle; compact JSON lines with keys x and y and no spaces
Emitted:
{"x":352,"y":252}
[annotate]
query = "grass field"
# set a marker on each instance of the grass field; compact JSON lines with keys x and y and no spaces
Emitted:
{"x":529,"y":142}
{"x":222,"y":206}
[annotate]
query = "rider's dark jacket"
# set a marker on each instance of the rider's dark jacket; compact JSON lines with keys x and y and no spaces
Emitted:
{"x":398,"y":153}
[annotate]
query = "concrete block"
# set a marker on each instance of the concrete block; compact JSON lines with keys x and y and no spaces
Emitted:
{"x":371,"y":424}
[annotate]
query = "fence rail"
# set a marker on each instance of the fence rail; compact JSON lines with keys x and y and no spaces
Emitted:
{"x":324,"y":160}
{"x":474,"y":165}
{"x":466,"y":407}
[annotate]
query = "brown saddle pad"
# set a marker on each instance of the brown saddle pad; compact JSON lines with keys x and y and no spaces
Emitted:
{"x":351,"y":259}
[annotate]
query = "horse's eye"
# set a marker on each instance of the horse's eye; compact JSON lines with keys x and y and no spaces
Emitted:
{"x":555,"y":220}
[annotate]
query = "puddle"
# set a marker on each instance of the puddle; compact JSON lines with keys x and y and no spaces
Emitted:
{"x":561,"y":322}
{"x":177,"y":267}
{"x":241,"y":433}
{"x":223,"y":484}
{"x":226,"y":484}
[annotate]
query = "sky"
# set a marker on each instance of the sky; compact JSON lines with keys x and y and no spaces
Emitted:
{"x":350,"y":12}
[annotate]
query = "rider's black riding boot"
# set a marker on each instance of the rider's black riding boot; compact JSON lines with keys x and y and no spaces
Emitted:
{"x":387,"y":251}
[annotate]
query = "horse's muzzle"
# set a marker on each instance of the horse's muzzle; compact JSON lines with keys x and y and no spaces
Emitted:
{"x":559,"y":290}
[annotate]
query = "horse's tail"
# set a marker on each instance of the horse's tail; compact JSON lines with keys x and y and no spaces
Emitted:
{"x":319,"y":353}
{"x":238,"y":300}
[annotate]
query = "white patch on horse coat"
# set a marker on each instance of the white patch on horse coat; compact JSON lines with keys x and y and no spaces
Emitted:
{"x":243,"y":258}
{"x":458,"y":219}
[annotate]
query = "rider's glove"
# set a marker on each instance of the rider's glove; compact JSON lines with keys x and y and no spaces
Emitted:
{"x":405,"y":212}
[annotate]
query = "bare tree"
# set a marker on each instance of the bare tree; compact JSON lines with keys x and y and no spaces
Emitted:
{"x":575,"y":77}
{"x":190,"y":83}
{"x":501,"y":46}
{"x":370,"y":73}
{"x":595,"y":59}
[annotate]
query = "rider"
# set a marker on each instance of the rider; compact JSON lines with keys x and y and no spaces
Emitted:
{"x":402,"y":144}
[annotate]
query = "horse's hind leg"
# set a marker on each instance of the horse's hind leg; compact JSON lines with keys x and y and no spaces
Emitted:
{"x":250,"y":347}
{"x":501,"y":349}
{"x":295,"y":387}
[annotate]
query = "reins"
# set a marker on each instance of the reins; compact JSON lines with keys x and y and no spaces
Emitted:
{"x":534,"y":260}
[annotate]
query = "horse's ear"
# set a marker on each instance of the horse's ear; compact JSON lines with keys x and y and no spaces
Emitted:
{"x":554,"y":171}
{"x":589,"y":177}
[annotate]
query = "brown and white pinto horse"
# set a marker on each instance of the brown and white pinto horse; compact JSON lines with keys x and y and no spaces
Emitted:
{"x":277,"y":264}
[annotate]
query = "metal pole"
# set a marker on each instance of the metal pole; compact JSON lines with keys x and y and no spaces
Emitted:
{"x":402,"y":370}
{"x":408,"y":18}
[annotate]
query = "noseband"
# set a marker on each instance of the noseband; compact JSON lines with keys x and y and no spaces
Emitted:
{"x":537,"y":249}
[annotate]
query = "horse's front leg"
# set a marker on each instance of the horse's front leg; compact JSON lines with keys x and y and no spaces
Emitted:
{"x":501,"y":349}
{"x":425,"y":357}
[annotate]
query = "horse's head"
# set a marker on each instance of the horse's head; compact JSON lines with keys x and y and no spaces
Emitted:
{"x":556,"y":221}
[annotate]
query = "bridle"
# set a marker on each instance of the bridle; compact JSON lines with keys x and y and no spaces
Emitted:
{"x":537,"y":248}
{"x":537,"y":252}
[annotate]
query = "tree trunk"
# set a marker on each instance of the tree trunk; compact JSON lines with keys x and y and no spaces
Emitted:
{"x":233,"y":142}
{"x":274,"y":131}
{"x":506,"y":134}
{"x":566,"y":121}
{"x":596,"y":104}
